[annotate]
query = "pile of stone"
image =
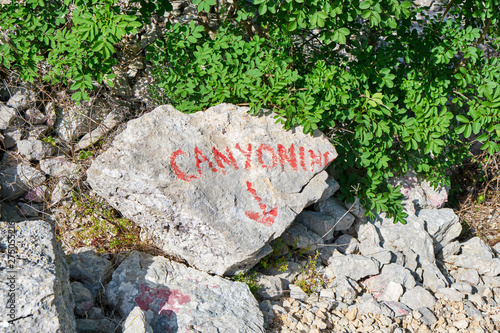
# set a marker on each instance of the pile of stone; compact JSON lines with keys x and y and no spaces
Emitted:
{"x":216,"y":190}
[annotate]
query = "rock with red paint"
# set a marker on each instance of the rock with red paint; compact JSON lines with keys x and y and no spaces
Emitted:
{"x":214,"y":187}
{"x":177,"y":298}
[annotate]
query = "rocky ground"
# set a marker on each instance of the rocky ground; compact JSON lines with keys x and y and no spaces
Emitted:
{"x":331,"y":269}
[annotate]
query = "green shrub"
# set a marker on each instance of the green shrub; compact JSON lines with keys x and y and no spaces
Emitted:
{"x":72,"y":42}
{"x":390,"y":98}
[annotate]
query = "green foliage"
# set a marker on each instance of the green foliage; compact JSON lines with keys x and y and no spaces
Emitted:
{"x":75,"y":39}
{"x":309,"y":279}
{"x":390,"y":98}
{"x":102,"y":227}
{"x":250,"y":280}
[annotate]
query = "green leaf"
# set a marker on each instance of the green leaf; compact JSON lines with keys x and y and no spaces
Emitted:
{"x":364,"y":5}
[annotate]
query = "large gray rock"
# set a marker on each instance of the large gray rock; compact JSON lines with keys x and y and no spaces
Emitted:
{"x":16,"y":180}
{"x":35,"y":291}
{"x":212,"y":187}
{"x":411,"y":239}
{"x":352,"y":265}
{"x":177,"y":298}
{"x":442,"y":225}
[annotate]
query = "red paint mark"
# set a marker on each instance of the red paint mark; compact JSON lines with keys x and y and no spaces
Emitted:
{"x":181,"y":175}
{"x":199,"y":154}
{"x":220,"y":158}
{"x":302,"y":153}
{"x":163,"y":300}
{"x":261,"y":159}
{"x":315,"y":159}
{"x":282,"y":152}
{"x":247,"y":154}
{"x":328,"y":159}
{"x":267,"y":217}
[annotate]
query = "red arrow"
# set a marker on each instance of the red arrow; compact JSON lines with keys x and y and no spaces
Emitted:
{"x":267,"y":217}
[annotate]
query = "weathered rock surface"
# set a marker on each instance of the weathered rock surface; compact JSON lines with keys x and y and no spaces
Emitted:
{"x":442,"y":225}
{"x":212,"y":187}
{"x":335,"y":208}
{"x":352,"y":265}
{"x":7,"y":115}
{"x":36,"y":274}
{"x":34,"y":149}
{"x":16,"y":180}
{"x":90,"y":269}
{"x":178,"y":298}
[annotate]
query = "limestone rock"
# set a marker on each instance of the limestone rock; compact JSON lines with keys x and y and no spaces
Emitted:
{"x":346,"y":244}
{"x":354,"y":266}
{"x":334,"y":208}
{"x":59,"y":167}
{"x":37,"y":275}
{"x":84,"y":301}
{"x":333,"y":187}
{"x":442,"y":225}
{"x":321,"y":224}
{"x":178,"y":297}
{"x":75,"y":121}
{"x":270,"y":287}
{"x":90,"y":269}
{"x":297,"y":235}
{"x":418,"y":297}
{"x":419,"y":193}
{"x":394,"y":273}
{"x":16,"y":180}
{"x":136,"y":322}
{"x":7,"y":115}
{"x":476,"y":247}
{"x":212,"y":187}
{"x":34,"y":149}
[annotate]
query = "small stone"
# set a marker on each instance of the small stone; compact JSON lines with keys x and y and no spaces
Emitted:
{"x":83,"y":298}
{"x":418,"y":297}
{"x":428,"y":317}
{"x":449,"y":294}
{"x":346,"y":244}
{"x":332,"y":207}
{"x":7,"y":116}
{"x":34,"y":149}
{"x":392,"y":292}
{"x":462,"y":287}
{"x":461,"y":324}
{"x":136,"y":322}
{"x":351,"y":314}
{"x":297,"y":293}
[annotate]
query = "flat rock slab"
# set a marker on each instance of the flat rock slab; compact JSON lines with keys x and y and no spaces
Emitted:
{"x":214,"y":187}
{"x":35,"y":291}
{"x":177,"y":298}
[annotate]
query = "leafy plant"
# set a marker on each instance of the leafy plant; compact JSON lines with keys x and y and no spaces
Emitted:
{"x":391,"y":97}
{"x":249,"y":279}
{"x":309,"y":278}
{"x":69,"y":41}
